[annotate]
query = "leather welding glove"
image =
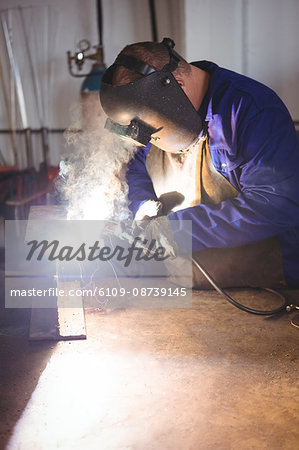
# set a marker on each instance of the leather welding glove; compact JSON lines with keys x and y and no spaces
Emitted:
{"x":177,"y":264}
{"x":149,"y":209}
{"x":157,"y":230}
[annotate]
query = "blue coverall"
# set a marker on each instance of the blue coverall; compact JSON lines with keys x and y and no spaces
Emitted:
{"x":253,"y":143}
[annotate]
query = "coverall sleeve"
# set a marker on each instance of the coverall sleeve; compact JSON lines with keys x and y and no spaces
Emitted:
{"x":140,"y":185}
{"x":267,"y":158}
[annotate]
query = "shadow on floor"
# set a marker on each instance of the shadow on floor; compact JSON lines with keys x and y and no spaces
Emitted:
{"x":21,"y":362}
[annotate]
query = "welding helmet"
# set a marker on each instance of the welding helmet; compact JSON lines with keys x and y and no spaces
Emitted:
{"x":153,"y":108}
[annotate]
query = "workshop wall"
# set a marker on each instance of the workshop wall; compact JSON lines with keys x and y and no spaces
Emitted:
{"x":66,"y":22}
{"x":256,"y":37}
{"x":259,"y":38}
{"x":124,"y":21}
{"x":128,"y":21}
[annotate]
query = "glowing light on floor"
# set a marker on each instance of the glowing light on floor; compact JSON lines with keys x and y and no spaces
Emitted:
{"x":90,"y":400}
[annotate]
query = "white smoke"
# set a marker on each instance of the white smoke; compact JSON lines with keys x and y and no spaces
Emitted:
{"x":93,"y":179}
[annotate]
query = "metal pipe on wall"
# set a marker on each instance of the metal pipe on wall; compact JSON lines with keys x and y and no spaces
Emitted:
{"x":20,"y":92}
{"x":153,"y":20}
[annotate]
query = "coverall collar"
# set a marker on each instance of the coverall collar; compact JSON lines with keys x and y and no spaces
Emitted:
{"x":205,"y":110}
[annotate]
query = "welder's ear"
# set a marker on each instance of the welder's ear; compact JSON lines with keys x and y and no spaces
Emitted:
{"x":180,"y":81}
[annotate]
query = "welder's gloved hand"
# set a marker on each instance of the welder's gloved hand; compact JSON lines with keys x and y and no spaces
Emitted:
{"x":148,"y":209}
{"x":116,"y":230}
{"x":177,"y":265}
{"x":158,"y":232}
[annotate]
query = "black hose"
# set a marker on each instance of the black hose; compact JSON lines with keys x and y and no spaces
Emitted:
{"x":239,"y":305}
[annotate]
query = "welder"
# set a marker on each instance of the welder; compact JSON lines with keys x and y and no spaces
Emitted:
{"x":217,"y":148}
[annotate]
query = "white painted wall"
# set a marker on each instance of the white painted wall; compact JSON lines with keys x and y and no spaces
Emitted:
{"x":273,"y":47}
{"x":259,"y":38}
{"x":125,"y":21}
{"x":128,"y":21}
{"x":73,"y":20}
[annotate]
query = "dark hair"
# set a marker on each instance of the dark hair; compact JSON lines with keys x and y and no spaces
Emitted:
{"x":153,"y":53}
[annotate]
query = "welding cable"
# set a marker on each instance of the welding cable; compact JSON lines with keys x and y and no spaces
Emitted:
{"x":272,"y":312}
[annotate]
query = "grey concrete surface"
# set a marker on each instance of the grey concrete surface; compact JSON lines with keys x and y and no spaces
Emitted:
{"x":210,"y":377}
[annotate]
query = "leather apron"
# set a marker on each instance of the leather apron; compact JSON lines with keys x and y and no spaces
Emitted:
{"x":181,"y":180}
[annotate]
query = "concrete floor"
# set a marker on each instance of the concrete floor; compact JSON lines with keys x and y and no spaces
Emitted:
{"x":210,"y":377}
